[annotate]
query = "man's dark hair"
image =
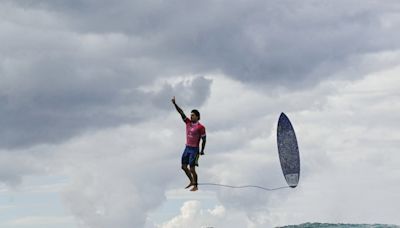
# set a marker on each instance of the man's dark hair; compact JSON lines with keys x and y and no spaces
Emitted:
{"x":196,"y":112}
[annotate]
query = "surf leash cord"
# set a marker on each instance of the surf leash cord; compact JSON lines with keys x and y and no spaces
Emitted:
{"x":244,"y":186}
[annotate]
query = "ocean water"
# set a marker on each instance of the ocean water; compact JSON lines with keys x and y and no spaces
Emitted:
{"x":339,"y":225}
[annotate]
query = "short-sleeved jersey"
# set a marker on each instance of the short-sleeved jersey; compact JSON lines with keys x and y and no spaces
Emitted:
{"x":194,"y":132}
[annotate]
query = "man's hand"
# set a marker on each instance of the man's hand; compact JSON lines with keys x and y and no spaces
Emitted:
{"x":178,"y":109}
{"x":202,"y":153}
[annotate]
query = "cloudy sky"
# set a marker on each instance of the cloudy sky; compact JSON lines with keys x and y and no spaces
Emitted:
{"x":89,"y":137}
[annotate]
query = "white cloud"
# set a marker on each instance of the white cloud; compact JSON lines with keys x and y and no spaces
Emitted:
{"x":348,"y":152}
{"x":133,"y":169}
{"x":348,"y":135}
{"x":117,"y":176}
{"x":193,"y":215}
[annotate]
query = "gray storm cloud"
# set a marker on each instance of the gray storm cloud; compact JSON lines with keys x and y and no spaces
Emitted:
{"x":57,"y":83}
{"x":290,"y":43}
{"x":73,"y":63}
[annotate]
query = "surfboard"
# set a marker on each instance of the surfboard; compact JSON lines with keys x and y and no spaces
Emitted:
{"x":288,"y":151}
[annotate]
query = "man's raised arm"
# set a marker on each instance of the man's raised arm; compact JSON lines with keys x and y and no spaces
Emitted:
{"x":178,"y":109}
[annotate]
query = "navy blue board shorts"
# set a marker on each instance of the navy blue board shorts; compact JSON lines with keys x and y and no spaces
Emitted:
{"x":190,"y":156}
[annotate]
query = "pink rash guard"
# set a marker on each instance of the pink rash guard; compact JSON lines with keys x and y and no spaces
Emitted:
{"x":194,"y":132}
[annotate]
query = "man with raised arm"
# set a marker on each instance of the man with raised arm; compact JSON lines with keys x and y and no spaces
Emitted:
{"x":195,"y":132}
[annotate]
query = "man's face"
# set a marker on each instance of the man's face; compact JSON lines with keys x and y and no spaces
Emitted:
{"x":193,"y":117}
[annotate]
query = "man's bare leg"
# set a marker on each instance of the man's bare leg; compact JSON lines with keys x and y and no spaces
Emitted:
{"x":194,"y":174}
{"x":188,"y":174}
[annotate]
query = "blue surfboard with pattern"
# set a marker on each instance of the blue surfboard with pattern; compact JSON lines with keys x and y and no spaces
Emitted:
{"x":288,"y":151}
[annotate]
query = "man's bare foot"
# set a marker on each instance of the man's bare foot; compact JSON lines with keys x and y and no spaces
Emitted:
{"x":194,"y":189}
{"x":190,"y":185}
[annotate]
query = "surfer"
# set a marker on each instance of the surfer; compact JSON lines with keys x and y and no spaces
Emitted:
{"x":194,"y":132}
